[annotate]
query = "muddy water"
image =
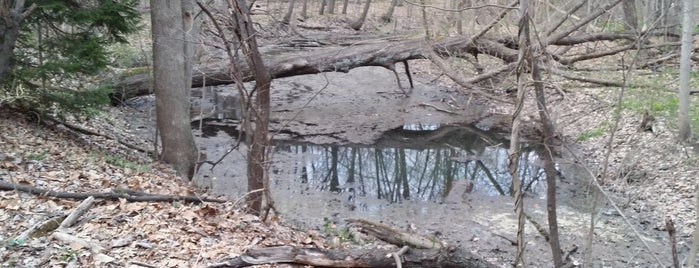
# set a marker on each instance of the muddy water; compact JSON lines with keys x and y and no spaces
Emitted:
{"x":445,"y":181}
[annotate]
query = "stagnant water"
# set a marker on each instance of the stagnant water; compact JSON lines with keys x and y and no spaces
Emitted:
{"x":450,"y":182}
{"x":412,"y":163}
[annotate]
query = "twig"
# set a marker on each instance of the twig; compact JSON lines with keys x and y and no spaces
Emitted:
{"x":606,"y":83}
{"x":437,"y":108}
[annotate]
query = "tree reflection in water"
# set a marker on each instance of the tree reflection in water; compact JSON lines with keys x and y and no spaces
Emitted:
{"x":415,"y":163}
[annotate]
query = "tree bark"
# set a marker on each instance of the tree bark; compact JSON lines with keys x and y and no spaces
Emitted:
{"x":358,"y":24}
{"x":289,"y":12}
{"x":171,"y":84}
{"x":304,"y":9}
{"x":375,"y":258}
{"x":388,"y":16}
{"x":514,"y":152}
{"x":630,"y":15}
{"x":685,"y":69}
{"x":259,"y":140}
{"x":9,"y":32}
{"x":331,"y":6}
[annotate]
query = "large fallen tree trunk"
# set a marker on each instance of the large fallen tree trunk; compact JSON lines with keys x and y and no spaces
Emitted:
{"x":342,"y":59}
{"x":355,"y":258}
{"x":335,"y":59}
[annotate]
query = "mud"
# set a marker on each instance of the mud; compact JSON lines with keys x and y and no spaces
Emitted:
{"x":357,"y":108}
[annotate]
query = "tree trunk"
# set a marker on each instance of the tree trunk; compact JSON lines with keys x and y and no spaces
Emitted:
{"x":630,"y":15}
{"x":344,"y":6}
{"x":514,"y":151}
{"x":331,"y":6}
{"x":304,"y":10}
{"x":358,"y":24}
{"x":168,"y":20}
{"x":9,"y":32}
{"x":685,"y":69}
{"x":259,"y":140}
{"x":287,"y":17}
{"x":388,"y":16}
{"x":322,"y":7}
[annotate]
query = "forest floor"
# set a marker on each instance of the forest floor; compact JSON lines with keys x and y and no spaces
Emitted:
{"x":650,"y":176}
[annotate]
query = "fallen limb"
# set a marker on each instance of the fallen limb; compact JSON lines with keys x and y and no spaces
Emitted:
{"x":77,"y":212}
{"x":355,"y":258}
{"x":606,"y":83}
{"x":116,"y":194}
{"x":437,"y":108}
{"x":394,"y":236}
{"x":86,"y":131}
{"x":437,"y":60}
{"x":41,"y":229}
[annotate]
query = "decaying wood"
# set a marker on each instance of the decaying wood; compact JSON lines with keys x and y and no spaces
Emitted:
{"x":42,"y":228}
{"x":342,"y":59}
{"x":355,"y":258}
{"x":129,"y":195}
{"x":73,"y":217}
{"x":395,"y":236}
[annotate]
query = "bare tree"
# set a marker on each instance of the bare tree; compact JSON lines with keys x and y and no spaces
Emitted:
{"x":12,"y":15}
{"x":630,"y":15}
{"x":171,"y":23}
{"x":258,"y":142}
{"x":323,"y":3}
{"x":514,"y":151}
{"x":289,"y":12}
{"x":331,"y":6}
{"x":304,"y":10}
{"x":358,"y":24}
{"x":388,"y":16}
{"x":344,"y":6}
{"x":685,"y":69}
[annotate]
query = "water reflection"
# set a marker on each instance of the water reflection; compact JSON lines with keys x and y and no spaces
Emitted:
{"x":428,"y":163}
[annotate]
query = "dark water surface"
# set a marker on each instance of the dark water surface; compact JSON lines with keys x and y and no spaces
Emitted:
{"x":413,"y":163}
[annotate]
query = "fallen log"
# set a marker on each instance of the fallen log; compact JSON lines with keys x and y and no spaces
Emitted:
{"x":129,"y":195}
{"x":332,"y":59}
{"x":344,"y":58}
{"x":378,"y":258}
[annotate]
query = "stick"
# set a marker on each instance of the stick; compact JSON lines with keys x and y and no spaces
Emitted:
{"x":396,"y":256}
{"x":673,"y":241}
{"x":77,"y":212}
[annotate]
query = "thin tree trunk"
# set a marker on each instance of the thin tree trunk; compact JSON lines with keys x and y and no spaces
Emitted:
{"x":322,"y":7}
{"x":358,"y":24}
{"x":424,"y":20}
{"x":388,"y":16}
{"x":287,"y":17}
{"x":514,"y":150}
{"x":304,"y":9}
{"x":630,"y":15}
{"x":9,"y":32}
{"x":331,"y":6}
{"x":258,"y":178}
{"x":549,"y":166}
{"x":685,"y":69}
{"x":344,"y":6}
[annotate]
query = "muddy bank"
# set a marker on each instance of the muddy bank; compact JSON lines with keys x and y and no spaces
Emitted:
{"x":357,"y":109}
